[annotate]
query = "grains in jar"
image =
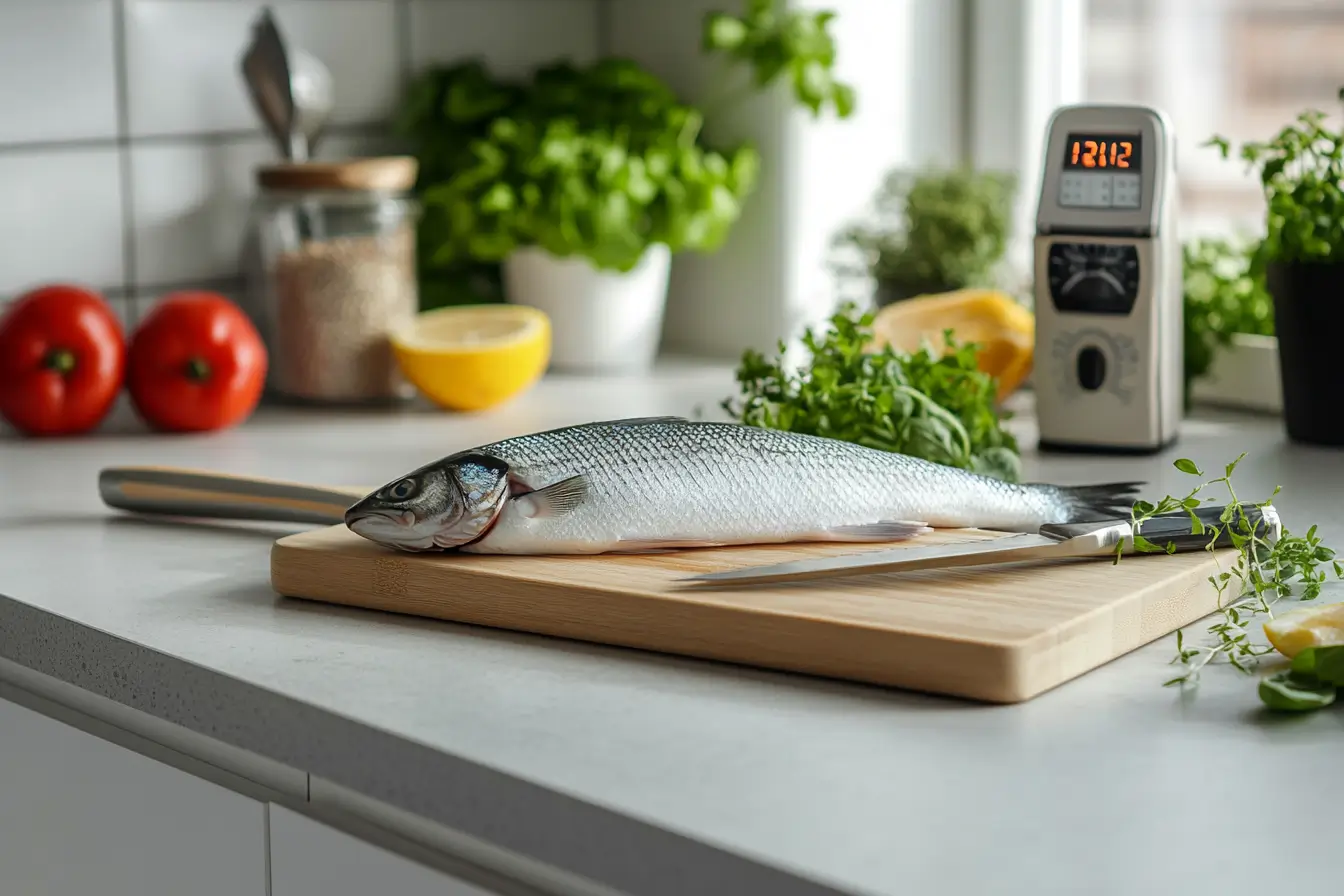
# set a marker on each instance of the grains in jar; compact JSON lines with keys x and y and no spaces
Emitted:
{"x":337,"y":255}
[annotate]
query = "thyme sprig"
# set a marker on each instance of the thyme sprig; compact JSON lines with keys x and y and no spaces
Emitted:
{"x":1262,"y":573}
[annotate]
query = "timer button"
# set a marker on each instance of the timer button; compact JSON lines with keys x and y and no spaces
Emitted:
{"x":1091,"y":368}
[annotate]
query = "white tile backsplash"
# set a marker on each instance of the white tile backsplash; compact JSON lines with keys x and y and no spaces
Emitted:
{"x":57,"y":72}
{"x":168,"y":139}
{"x":513,"y":36}
{"x":190,"y":205}
{"x":183,"y":60}
{"x":60,"y":219}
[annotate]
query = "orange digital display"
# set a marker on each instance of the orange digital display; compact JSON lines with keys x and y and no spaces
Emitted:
{"x":1102,"y":151}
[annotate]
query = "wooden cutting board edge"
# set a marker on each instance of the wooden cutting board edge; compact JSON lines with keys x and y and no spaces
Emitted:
{"x":993,"y":672}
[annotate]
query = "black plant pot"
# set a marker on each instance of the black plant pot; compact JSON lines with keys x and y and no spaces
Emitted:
{"x":1309,"y":323}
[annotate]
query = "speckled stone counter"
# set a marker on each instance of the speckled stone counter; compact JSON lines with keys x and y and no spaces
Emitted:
{"x":649,"y":774}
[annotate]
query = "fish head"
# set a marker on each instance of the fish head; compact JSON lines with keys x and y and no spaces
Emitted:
{"x":438,"y":507}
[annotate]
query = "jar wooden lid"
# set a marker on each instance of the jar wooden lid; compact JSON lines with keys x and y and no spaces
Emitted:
{"x":379,"y":173}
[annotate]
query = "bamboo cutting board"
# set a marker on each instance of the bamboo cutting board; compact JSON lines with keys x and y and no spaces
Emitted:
{"x":1001,"y":634}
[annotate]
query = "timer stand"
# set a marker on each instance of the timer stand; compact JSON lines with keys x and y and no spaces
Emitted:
{"x":1108,"y":291}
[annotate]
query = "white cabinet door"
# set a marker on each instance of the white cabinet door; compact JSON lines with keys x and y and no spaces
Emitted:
{"x":79,"y":815}
{"x":311,"y":859}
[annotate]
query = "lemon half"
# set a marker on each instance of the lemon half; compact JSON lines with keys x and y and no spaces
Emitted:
{"x":1005,"y":330}
{"x":474,"y":357}
{"x":1301,"y":627}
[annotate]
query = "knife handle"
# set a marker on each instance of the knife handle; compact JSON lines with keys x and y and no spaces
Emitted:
{"x":172,"y":491}
{"x":1166,"y":529}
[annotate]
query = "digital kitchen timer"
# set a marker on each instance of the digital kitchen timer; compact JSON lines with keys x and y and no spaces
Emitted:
{"x":1107,"y":372}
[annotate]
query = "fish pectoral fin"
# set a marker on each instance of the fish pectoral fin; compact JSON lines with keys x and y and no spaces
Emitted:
{"x":556,"y":499}
{"x":882,"y":530}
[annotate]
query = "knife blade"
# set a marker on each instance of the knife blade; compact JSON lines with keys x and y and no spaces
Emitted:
{"x":1098,"y":539}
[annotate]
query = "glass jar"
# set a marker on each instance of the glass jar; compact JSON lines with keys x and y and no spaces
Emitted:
{"x":334,"y":271}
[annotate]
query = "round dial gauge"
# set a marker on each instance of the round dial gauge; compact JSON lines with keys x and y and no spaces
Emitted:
{"x":1100,"y":278}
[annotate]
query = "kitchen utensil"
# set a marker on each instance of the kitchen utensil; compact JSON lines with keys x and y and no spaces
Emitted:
{"x":290,"y":88}
{"x":265,"y":67}
{"x":1001,"y":634}
{"x":1072,"y":541}
{"x":1108,"y":282}
{"x":199,"y":493}
{"x":310,"y":86}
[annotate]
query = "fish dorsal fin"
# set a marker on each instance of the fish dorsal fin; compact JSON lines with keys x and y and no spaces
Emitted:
{"x":639,"y":421}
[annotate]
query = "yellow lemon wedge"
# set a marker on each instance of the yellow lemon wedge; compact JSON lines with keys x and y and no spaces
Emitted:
{"x":474,"y":357}
{"x":1297,"y":629}
{"x":1003,"y":328}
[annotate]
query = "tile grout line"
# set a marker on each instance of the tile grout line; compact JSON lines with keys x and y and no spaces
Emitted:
{"x":192,"y":138}
{"x":401,"y":12}
{"x":127,"y":175}
{"x":602,"y":13}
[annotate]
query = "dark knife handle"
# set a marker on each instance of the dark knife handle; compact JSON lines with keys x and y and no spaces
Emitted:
{"x":1176,"y":528}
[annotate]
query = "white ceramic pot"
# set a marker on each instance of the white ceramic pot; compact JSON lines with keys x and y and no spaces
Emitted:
{"x":1243,"y":375}
{"x":601,"y":321}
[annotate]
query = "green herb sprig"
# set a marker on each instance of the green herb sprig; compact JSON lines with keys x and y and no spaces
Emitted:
{"x":1262,"y":573}
{"x":1301,"y":172}
{"x":776,"y":42}
{"x":928,"y":404}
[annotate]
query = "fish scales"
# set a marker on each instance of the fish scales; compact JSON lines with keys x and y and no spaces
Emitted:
{"x":722,"y":483}
{"x":660,"y":483}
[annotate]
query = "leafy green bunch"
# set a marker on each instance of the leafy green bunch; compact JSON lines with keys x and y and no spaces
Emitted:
{"x":929,"y":404}
{"x":933,"y":231}
{"x":1301,"y":171}
{"x":599,"y":161}
{"x":1265,"y":571}
{"x":1225,"y":294}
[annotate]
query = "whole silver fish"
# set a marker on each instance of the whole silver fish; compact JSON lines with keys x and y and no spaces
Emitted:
{"x":661,"y":483}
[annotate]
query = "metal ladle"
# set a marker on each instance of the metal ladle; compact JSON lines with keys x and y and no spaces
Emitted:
{"x":290,"y":89}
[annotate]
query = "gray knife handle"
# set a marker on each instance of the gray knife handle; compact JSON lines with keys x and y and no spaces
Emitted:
{"x":197,"y":493}
{"x":1176,"y":528}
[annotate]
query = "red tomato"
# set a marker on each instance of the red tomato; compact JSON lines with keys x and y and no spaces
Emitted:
{"x":196,"y":363}
{"x":62,"y":357}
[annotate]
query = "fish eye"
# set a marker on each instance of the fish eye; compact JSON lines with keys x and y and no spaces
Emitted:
{"x":401,"y":490}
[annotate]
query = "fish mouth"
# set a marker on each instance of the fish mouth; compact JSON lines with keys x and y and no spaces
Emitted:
{"x":389,"y":528}
{"x":390,"y":522}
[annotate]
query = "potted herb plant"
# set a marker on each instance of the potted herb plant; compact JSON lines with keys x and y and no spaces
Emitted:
{"x":930,"y":232}
{"x":1231,"y":355}
{"x":1301,"y":171}
{"x":584,"y":181}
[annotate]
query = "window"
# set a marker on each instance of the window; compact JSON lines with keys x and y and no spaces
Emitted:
{"x":1239,"y":68}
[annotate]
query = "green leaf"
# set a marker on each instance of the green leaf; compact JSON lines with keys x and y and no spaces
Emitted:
{"x":844,"y":99}
{"x":724,"y":32}
{"x":1185,"y":465}
{"x":1293,"y":692}
{"x":1323,"y":663}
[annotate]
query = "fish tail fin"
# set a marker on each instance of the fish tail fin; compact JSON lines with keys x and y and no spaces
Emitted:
{"x":1103,"y":501}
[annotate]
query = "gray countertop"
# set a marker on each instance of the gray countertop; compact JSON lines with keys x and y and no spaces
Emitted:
{"x":661,"y":775}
